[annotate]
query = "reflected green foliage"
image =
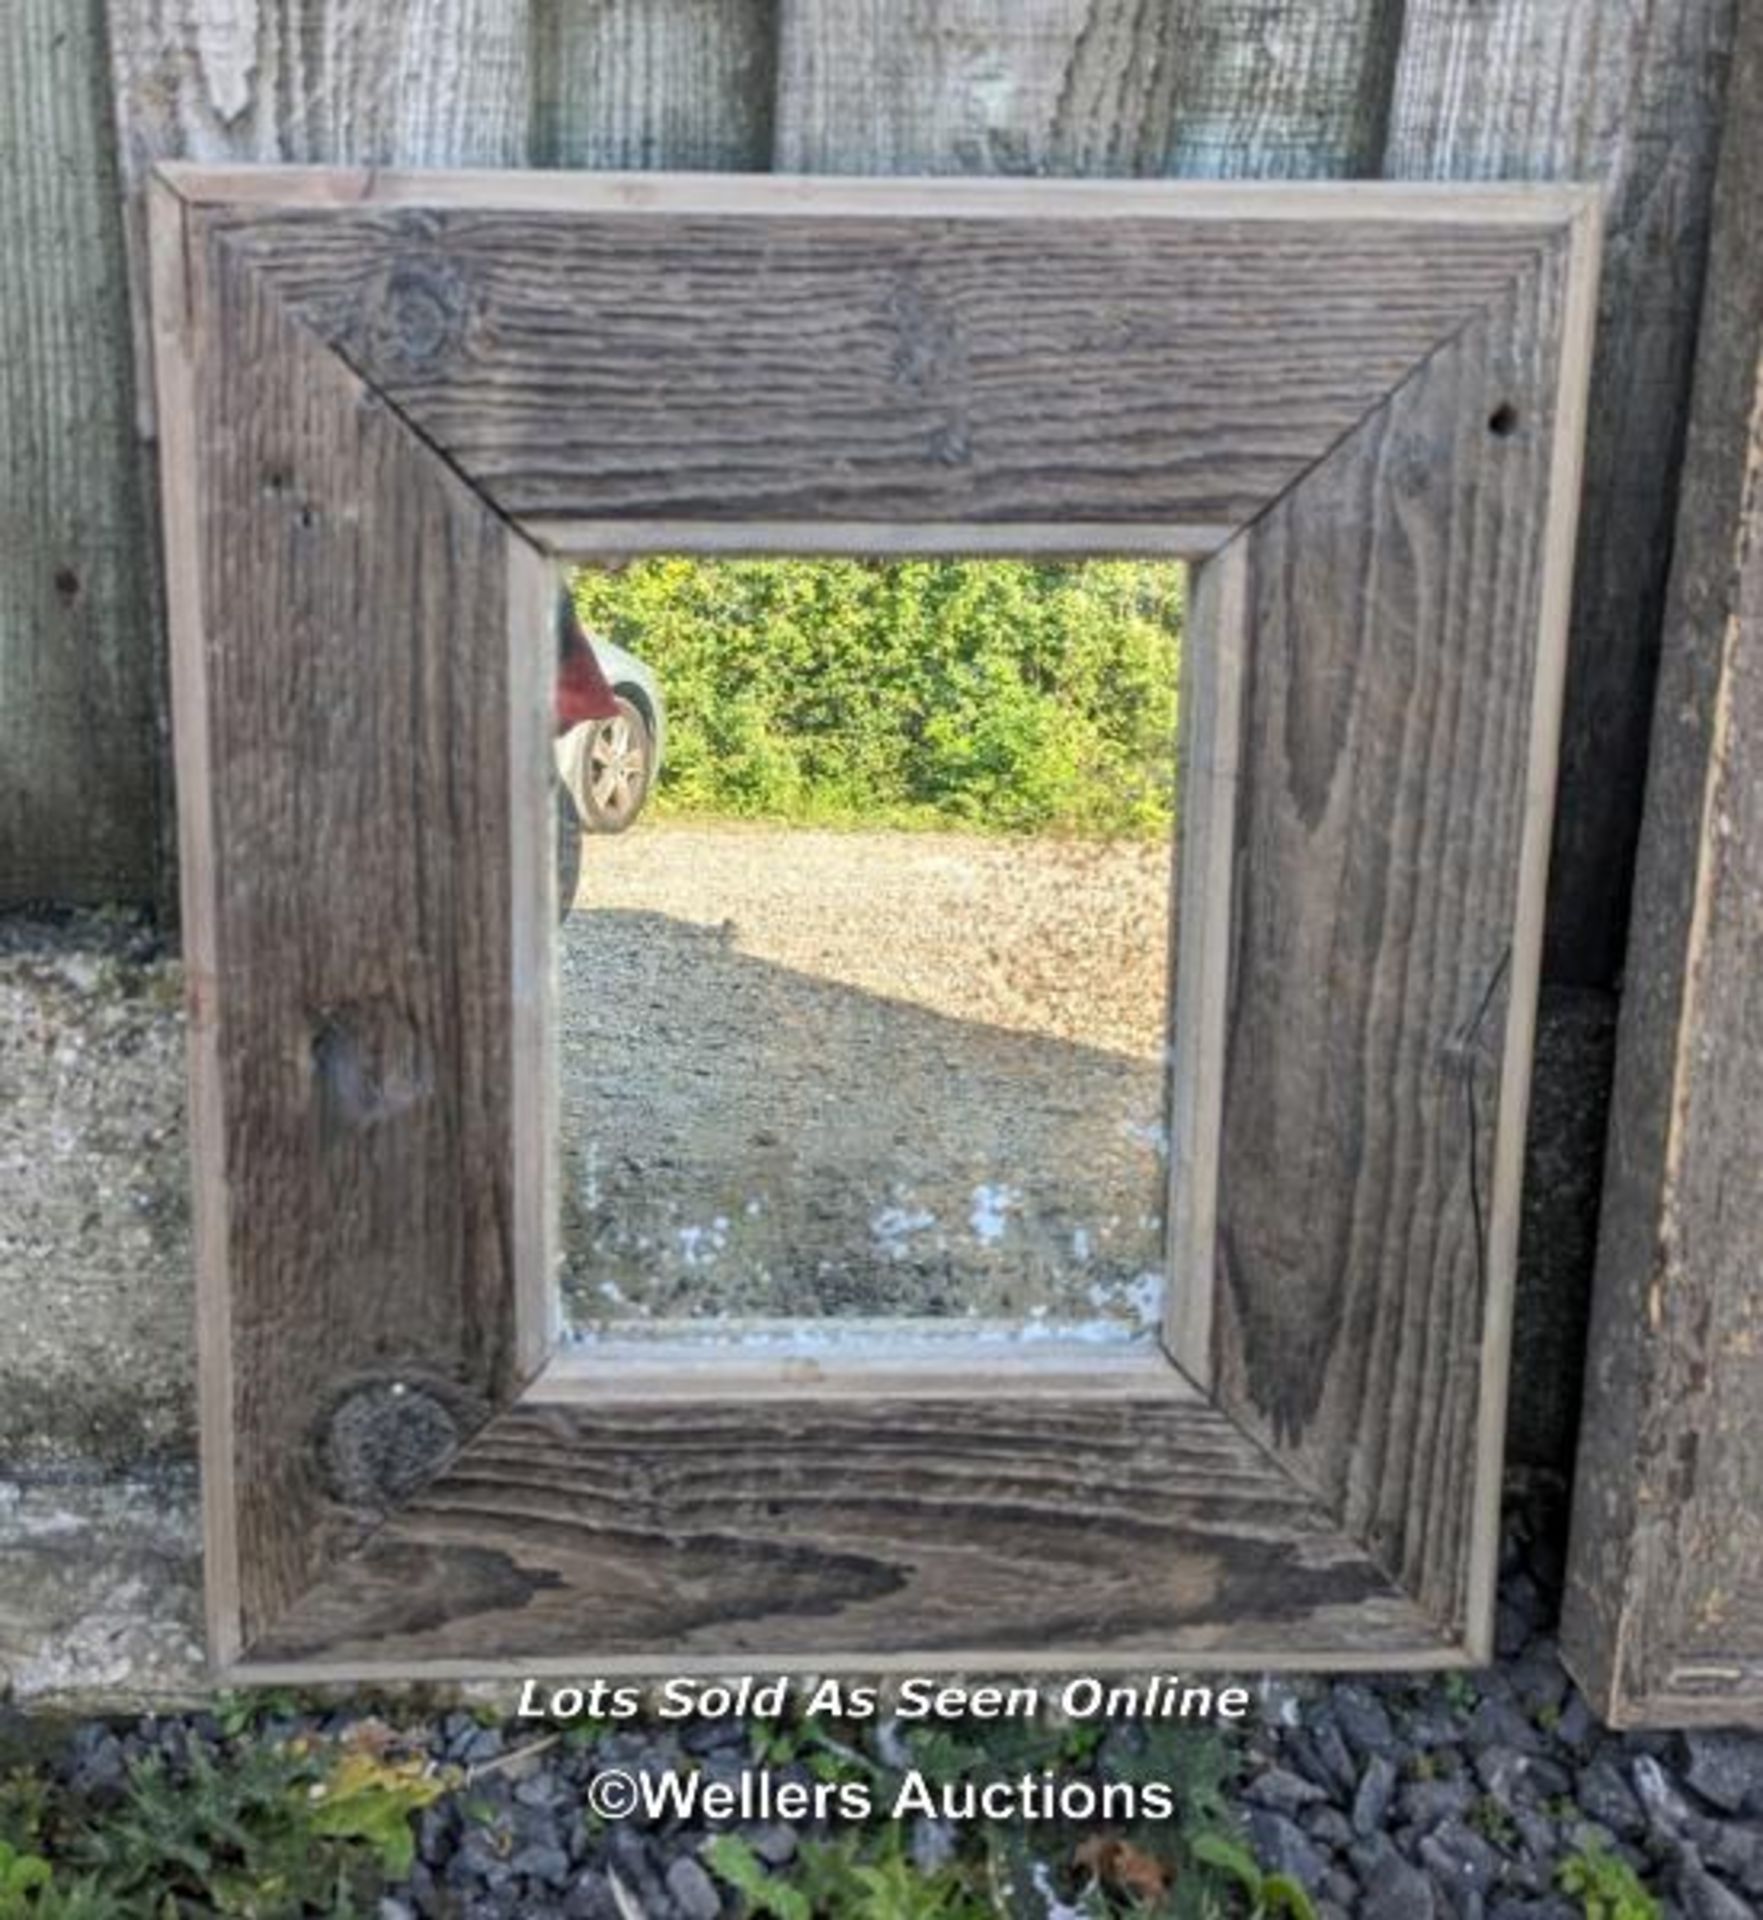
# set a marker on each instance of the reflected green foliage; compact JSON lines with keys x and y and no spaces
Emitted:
{"x":999,"y":695}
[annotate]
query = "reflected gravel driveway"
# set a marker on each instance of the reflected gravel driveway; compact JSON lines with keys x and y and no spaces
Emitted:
{"x":809,"y":1073}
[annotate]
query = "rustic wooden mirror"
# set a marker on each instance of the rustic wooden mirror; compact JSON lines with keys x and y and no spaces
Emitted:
{"x":388,"y":403}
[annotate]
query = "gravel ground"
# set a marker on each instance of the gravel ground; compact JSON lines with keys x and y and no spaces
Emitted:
{"x":812,"y":1073}
{"x":1396,"y":1799}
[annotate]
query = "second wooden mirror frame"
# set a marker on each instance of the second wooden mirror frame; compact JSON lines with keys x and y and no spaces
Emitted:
{"x":387,"y":403}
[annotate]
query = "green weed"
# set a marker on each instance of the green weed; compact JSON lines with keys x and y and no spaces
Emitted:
{"x":1462,"y":1695}
{"x":1271,"y":1896}
{"x":855,"y":1878}
{"x":271,"y":1831}
{"x":1493,"y":1822}
{"x":1607,"y":1888}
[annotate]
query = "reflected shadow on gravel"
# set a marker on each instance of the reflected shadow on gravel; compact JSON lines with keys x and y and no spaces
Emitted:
{"x":742,"y":1138}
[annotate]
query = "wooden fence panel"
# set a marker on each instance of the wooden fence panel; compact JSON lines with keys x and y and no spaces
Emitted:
{"x":85,"y":798}
{"x":1629,"y":97}
{"x":1293,"y":93}
{"x":436,"y":81}
{"x":973,"y":86}
{"x":79,"y":744}
{"x":654,"y":83}
{"x":1202,"y":87}
{"x":1432,"y":88}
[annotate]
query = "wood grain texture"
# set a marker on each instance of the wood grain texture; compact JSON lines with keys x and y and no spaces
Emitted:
{"x":1628,"y":97}
{"x":350,"y":881}
{"x":839,"y":1533}
{"x":425,"y":83}
{"x":1297,"y":91}
{"x":1663,"y":1621}
{"x":1215,"y":650}
{"x":896,"y":366}
{"x":176,"y":376}
{"x":1388,"y":771}
{"x":973,"y":86}
{"x":1197,"y":87}
{"x":80,"y":704}
{"x":654,"y":83}
{"x":535,"y":1206}
{"x":297,"y":80}
{"x":430,"y":83}
{"x":913,"y":1359}
{"x":1537,"y":207}
{"x":374,"y":1165}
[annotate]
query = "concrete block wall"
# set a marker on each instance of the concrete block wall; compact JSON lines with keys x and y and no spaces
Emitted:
{"x":99,"y":1557}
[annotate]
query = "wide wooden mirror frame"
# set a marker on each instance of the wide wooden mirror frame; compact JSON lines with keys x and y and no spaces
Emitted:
{"x":387,"y":402}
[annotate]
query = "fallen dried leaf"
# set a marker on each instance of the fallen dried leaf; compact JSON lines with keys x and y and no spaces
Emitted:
{"x":1127,"y":1869}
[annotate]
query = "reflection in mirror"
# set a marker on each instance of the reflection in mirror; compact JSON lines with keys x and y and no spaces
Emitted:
{"x":863,"y":951}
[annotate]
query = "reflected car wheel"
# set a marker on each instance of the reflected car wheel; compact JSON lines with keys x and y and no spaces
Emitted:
{"x":615,"y":766}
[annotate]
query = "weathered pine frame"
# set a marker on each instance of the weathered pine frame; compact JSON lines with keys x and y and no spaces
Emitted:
{"x":387,"y":401}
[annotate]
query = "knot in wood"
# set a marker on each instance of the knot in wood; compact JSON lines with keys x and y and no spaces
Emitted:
{"x":369,"y":1065}
{"x":418,"y":317}
{"x":385,"y":1439}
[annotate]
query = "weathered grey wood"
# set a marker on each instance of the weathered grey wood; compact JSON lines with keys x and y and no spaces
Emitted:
{"x":1198,"y":87}
{"x":973,"y":86}
{"x":424,"y":84}
{"x":535,"y":1206}
{"x":79,"y":670}
{"x":1202,"y":940}
{"x":429,"y":83}
{"x":1387,"y":917}
{"x":850,"y":1532}
{"x":172,"y":280}
{"x":366,"y":782}
{"x":345,"y":735}
{"x":653,"y":83}
{"x":873,"y":369}
{"x":346,"y":80}
{"x":1663,"y":1622}
{"x":1630,"y":98}
{"x":1298,"y":91}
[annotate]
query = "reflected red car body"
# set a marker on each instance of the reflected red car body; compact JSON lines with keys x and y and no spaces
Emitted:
{"x":582,"y":689}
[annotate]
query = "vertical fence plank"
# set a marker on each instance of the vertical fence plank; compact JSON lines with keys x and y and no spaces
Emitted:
{"x":1663,"y":1620}
{"x":972,"y":86}
{"x":1629,"y":96}
{"x":423,"y":83}
{"x":1223,"y":87}
{"x":1291,"y":92}
{"x":78,"y":669}
{"x":654,"y":83}
{"x":426,"y":83}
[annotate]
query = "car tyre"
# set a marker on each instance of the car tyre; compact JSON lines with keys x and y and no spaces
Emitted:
{"x":568,"y":851}
{"x":613,"y":769}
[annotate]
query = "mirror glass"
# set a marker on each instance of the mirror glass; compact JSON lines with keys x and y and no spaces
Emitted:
{"x":863,"y":947}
